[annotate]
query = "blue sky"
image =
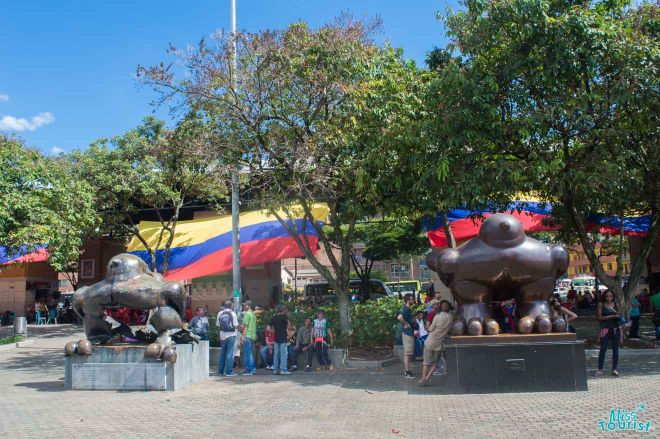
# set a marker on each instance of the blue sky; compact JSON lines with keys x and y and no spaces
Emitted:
{"x":66,"y":66}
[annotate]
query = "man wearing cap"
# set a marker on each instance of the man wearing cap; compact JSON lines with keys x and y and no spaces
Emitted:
{"x":248,"y":337}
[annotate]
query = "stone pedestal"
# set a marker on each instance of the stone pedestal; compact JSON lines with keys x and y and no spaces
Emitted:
{"x":514,"y":363}
{"x":123,"y":367}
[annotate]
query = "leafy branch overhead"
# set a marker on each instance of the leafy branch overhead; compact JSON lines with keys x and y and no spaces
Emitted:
{"x":151,"y":170}
{"x":562,"y":98}
{"x":313,"y":115}
{"x":42,"y":203}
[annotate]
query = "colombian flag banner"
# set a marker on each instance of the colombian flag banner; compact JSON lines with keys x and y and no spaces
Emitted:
{"x":39,"y":254}
{"x":465,"y":223}
{"x":203,"y":247}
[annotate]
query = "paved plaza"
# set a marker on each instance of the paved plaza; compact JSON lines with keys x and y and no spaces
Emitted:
{"x":360,"y":404}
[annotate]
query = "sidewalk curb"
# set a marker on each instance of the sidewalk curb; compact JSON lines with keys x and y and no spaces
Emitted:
{"x":626,"y":352}
{"x":19,"y":344}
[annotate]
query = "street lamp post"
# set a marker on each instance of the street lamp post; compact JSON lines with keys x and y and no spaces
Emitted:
{"x":235,"y":207}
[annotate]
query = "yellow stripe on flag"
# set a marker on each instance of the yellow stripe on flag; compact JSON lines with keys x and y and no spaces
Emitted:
{"x":200,"y":230}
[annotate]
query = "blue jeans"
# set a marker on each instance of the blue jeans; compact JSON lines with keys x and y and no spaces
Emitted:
{"x":321,"y":349}
{"x":248,"y":355}
{"x":264,"y":354}
{"x":227,"y":356}
{"x":279,"y":357}
{"x":293,"y":355}
{"x":419,"y":346}
{"x":612,"y":334}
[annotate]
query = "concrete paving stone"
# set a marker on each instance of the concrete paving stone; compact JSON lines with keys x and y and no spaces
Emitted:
{"x":344,"y":404}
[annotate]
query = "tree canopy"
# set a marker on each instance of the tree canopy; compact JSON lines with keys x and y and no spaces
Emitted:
{"x":317,"y":115}
{"x":151,"y":169}
{"x":563,"y":98}
{"x":43,"y":204}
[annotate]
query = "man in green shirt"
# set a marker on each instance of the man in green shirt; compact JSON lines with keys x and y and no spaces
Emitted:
{"x":248,"y":337}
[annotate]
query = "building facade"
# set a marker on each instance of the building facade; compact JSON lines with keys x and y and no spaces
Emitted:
{"x":579,"y":264}
{"x":21,"y":285}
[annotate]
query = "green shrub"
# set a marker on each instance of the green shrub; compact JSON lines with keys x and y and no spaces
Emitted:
{"x":10,"y":340}
{"x":373,"y":322}
{"x":214,"y":333}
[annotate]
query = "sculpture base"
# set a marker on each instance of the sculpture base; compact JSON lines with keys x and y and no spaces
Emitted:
{"x":514,"y":363}
{"x":123,"y":367}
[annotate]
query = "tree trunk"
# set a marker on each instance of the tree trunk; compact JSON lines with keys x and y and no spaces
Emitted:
{"x":642,"y":258}
{"x":340,"y":279}
{"x":364,"y":273}
{"x":449,"y":234}
{"x":344,"y":309}
{"x":614,"y":284}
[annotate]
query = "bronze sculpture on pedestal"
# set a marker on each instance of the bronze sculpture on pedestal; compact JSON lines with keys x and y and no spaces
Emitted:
{"x":130,"y":283}
{"x":501,"y":263}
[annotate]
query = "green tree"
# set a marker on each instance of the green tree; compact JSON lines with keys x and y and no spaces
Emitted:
{"x":386,"y":240}
{"x":42,"y":203}
{"x":315,"y":115}
{"x":563,"y":98}
{"x":151,"y":169}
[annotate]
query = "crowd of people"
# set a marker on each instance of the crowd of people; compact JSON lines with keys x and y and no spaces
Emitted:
{"x":276,"y":348}
{"x":51,"y":311}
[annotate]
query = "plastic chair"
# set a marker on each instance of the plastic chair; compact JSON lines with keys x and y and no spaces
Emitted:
{"x":52,"y":317}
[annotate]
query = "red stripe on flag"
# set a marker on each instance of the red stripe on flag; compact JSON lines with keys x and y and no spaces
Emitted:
{"x":40,"y":255}
{"x":468,"y":228}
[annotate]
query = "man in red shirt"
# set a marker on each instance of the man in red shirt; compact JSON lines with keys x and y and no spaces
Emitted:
{"x":434,"y":309}
{"x":266,"y":352}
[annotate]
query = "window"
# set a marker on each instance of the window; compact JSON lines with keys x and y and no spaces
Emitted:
{"x":87,"y":269}
{"x":62,"y":283}
{"x":609,"y":266}
{"x":399,"y":270}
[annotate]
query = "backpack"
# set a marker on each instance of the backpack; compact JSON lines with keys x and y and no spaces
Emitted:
{"x":226,"y":322}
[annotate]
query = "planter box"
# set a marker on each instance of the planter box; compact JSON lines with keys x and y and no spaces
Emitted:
{"x":369,"y":364}
{"x":398,"y":352}
{"x":337,"y":356}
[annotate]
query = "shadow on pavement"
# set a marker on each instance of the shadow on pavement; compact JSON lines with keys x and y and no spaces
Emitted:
{"x":391,"y":379}
{"x":46,"y":331}
{"x":44,"y":386}
{"x":34,"y":359}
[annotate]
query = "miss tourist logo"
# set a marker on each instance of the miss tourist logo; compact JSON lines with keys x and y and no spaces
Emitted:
{"x":624,"y":420}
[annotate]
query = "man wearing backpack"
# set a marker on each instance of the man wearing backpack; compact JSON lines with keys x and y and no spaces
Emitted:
{"x":227,"y":322}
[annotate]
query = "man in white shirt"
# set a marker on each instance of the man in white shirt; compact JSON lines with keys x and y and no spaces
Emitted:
{"x":227,"y":322}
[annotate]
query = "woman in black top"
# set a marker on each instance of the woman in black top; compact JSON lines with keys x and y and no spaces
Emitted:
{"x":609,"y":319}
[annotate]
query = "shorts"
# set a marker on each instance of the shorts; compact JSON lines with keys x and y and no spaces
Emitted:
{"x":431,"y":357}
{"x":408,"y":344}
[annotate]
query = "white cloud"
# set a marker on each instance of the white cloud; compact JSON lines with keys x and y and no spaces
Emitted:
{"x":56,"y":150}
{"x":11,"y":123}
{"x":4,"y":98}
